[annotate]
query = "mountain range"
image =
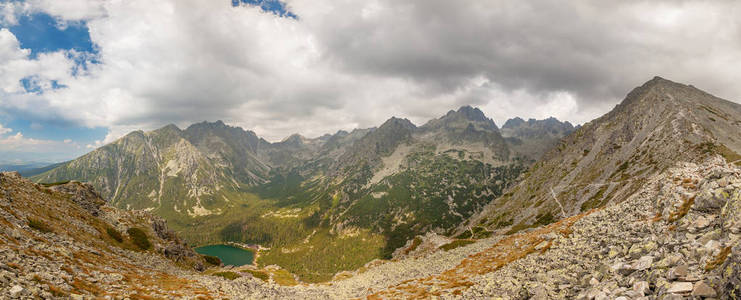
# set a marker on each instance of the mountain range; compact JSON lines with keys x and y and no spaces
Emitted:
{"x":380,"y":186}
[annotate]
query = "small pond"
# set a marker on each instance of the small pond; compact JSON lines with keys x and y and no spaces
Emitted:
{"x":229,"y":255}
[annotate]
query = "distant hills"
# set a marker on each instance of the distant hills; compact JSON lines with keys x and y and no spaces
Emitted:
{"x":28,"y":169}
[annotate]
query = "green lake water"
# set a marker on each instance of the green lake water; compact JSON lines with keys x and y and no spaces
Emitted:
{"x":229,"y":255}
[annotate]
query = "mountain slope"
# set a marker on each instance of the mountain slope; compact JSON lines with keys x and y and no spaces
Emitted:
{"x":62,"y":241}
{"x":609,"y":158}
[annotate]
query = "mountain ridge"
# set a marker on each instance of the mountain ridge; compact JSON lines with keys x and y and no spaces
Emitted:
{"x":607,"y":159}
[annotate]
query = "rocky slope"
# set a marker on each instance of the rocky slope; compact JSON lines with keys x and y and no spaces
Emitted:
{"x":63,"y":241}
{"x":677,"y":236}
{"x":608,"y":159}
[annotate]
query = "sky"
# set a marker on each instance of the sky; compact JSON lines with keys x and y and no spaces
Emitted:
{"x":77,"y":74}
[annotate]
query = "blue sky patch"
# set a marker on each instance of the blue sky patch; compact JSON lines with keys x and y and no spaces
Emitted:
{"x":40,"y":33}
{"x":274,"y":6}
{"x":55,"y":131}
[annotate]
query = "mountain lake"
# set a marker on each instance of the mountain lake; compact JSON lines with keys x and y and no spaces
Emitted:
{"x":229,"y":255}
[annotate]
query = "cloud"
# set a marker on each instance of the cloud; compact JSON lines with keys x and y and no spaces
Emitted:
{"x":18,"y":142}
{"x":4,"y":130}
{"x":346,"y":64}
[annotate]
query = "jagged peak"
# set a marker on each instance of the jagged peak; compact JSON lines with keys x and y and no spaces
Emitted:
{"x":207,"y":124}
{"x":294,"y":139}
{"x":170,"y":127}
{"x":398,"y":122}
{"x":514,"y":122}
{"x":465,"y":113}
{"x":472,"y":113}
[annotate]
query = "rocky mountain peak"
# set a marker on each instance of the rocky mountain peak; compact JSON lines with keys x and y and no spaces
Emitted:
{"x":171,"y":127}
{"x":397,"y":123}
{"x":460,"y":120}
{"x":514,"y":122}
{"x":293,"y":140}
{"x":532,"y":127}
{"x":470,"y":113}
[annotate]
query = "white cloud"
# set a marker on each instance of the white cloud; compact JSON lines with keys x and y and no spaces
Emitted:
{"x":4,"y":130}
{"x":70,"y":10}
{"x":18,"y":142}
{"x":345,"y":64}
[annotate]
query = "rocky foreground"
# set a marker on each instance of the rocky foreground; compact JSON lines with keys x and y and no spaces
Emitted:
{"x":676,"y":238}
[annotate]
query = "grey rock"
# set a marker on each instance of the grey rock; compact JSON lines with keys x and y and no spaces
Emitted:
{"x":680,"y":287}
{"x":677,"y":272}
{"x":644,"y":263}
{"x":641,"y":287}
{"x":16,"y":291}
{"x":702,"y":289}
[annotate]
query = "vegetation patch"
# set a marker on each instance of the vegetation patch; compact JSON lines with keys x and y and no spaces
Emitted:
{"x":719,"y":259}
{"x":55,"y":183}
{"x":520,"y":226}
{"x":682,"y":210}
{"x":212,"y":260}
{"x":456,"y":244}
{"x":38,"y":224}
{"x":415,"y":243}
{"x":284,"y":278}
{"x":56,"y":291}
{"x":228,"y":275}
{"x":325,"y":254}
{"x":544,"y":219}
{"x":258,"y":274}
{"x":596,"y":200}
{"x":114,"y":234}
{"x":729,"y":155}
{"x":139,"y":238}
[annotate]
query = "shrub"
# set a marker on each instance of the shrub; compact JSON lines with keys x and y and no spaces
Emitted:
{"x":228,"y":275}
{"x":114,"y":234}
{"x":38,"y":225}
{"x":139,"y":238}
{"x":455,"y":244}
{"x":54,"y":183}
{"x":258,"y":274}
{"x":213,"y":260}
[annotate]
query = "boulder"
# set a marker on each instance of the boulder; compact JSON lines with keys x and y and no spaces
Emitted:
{"x":702,"y":289}
{"x":680,"y":287}
{"x":677,"y":272}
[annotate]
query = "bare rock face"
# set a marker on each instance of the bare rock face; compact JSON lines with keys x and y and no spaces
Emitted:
{"x":83,"y":194}
{"x":174,"y":248}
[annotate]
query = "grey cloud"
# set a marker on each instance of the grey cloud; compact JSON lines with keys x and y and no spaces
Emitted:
{"x":596,"y":50}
